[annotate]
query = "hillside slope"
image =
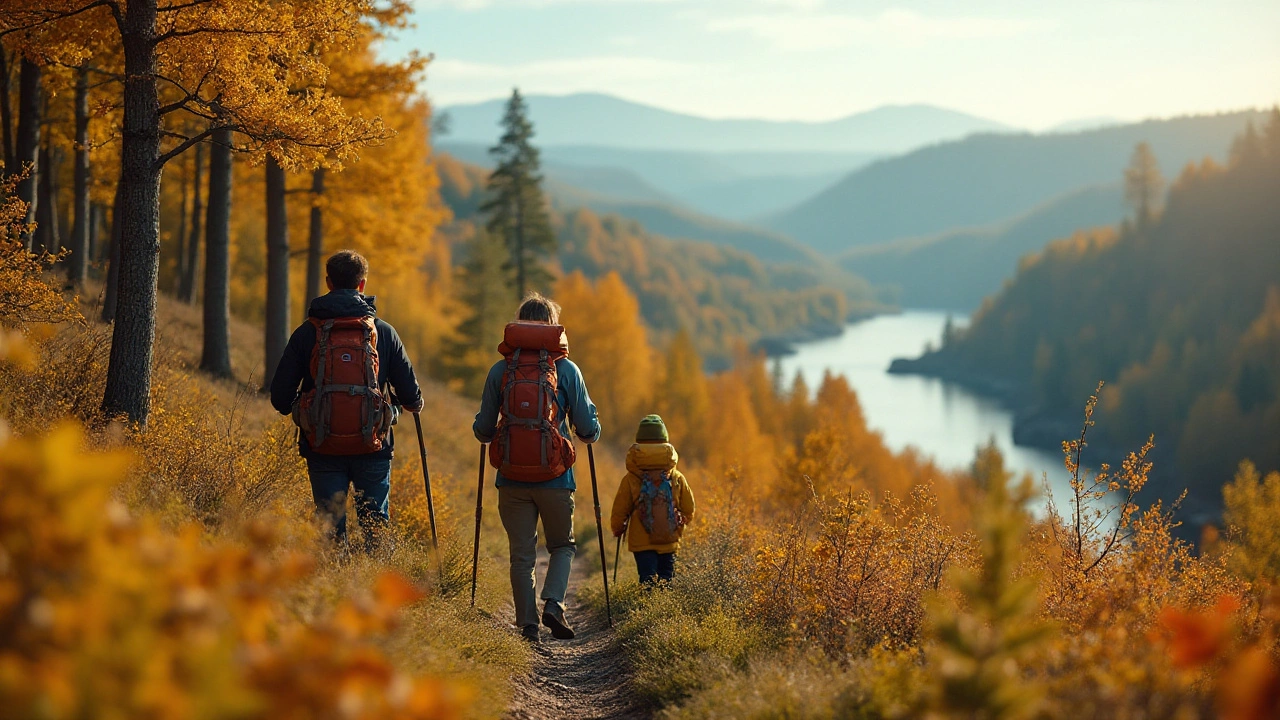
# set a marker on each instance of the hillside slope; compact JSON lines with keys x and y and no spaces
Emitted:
{"x":1181,"y":318}
{"x":987,"y":178}
{"x":956,"y":270}
{"x":720,"y":293}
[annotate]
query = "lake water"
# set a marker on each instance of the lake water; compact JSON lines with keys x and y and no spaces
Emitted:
{"x":943,"y":420}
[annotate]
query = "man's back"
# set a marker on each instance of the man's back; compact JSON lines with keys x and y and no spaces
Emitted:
{"x":293,"y":376}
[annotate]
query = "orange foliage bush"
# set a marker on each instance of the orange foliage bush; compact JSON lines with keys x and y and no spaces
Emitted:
{"x":107,"y":615}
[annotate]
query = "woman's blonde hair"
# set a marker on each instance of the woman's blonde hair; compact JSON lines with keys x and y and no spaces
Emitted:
{"x":537,"y":307}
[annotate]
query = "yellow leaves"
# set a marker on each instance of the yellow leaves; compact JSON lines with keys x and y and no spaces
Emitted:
{"x":110,"y":616}
{"x":609,"y":341}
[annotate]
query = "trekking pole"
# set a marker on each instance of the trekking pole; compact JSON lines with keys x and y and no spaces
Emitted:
{"x":431,"y":506}
{"x":475,"y":553}
{"x":604,"y":563}
{"x":617,"y":552}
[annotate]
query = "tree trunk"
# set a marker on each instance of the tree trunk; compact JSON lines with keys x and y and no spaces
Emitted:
{"x":78,"y":265}
{"x":520,"y":269}
{"x":111,"y":293}
{"x":276,"y":327}
{"x":315,"y":239}
{"x":128,"y":390}
{"x":96,"y":215}
{"x":27,"y":146}
{"x":48,"y":233}
{"x":216,"y":356}
{"x":187,"y":288}
{"x":6,"y":111}
{"x":180,"y":256}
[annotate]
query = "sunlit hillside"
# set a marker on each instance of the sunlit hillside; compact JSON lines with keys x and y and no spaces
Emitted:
{"x":586,"y":398}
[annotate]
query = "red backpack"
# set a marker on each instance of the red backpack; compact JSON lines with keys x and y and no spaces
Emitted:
{"x":529,"y":446}
{"x":345,"y":413}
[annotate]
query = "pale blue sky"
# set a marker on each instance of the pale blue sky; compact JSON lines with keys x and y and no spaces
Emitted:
{"x":1031,"y":63}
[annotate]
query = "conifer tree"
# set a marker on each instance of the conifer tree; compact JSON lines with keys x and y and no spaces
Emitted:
{"x":486,"y":293}
{"x":980,"y":650}
{"x":517,"y":211}
{"x":1143,"y":185}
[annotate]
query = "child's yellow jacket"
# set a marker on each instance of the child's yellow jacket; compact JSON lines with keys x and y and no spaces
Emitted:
{"x":648,"y":457}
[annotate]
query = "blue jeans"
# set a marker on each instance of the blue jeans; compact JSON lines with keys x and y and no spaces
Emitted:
{"x":331,"y":478}
{"x":654,"y":566}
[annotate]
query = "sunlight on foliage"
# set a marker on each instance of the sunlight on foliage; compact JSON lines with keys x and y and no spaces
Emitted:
{"x":108,"y":615}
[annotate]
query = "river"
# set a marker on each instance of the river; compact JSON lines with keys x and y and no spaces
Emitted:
{"x":941,"y":419}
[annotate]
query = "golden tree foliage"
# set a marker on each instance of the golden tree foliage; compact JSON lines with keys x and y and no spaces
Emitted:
{"x":608,"y":340}
{"x":26,"y":296}
{"x":1252,"y":504}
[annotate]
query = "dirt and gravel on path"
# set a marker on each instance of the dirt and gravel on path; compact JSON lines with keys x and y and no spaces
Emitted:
{"x":586,"y":678}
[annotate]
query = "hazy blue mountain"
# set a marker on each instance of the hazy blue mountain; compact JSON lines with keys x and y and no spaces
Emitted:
{"x":605,"y":120}
{"x":986,"y":178}
{"x":617,"y":192}
{"x":1087,"y":123}
{"x":674,"y":221}
{"x":731,"y":185}
{"x":957,"y":269}
{"x":750,"y":198}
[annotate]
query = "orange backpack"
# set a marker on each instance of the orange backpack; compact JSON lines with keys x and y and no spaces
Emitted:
{"x":345,"y":413}
{"x":529,"y":446}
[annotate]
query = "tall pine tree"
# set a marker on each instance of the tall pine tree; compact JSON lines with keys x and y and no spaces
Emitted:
{"x":516,"y":209}
{"x":486,"y":284}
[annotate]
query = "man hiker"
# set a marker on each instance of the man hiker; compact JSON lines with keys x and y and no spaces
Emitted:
{"x":344,"y":357}
{"x":530,"y":398}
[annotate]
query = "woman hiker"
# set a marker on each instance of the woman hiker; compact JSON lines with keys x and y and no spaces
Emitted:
{"x":530,"y":399}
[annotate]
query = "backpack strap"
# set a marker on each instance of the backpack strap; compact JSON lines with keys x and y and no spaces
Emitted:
{"x":368,"y":421}
{"x":319,"y":409}
{"x":508,"y":384}
{"x":543,"y":385}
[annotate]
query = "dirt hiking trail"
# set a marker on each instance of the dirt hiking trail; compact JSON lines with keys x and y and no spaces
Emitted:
{"x":586,"y":678}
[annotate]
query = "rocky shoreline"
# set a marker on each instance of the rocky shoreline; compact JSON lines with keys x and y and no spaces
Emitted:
{"x":1032,"y":426}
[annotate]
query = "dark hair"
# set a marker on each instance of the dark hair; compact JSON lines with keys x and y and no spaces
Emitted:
{"x":539,"y":308}
{"x":346,"y":268}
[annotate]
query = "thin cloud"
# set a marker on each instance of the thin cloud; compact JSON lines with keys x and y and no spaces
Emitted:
{"x":455,"y":81}
{"x":827,"y":30}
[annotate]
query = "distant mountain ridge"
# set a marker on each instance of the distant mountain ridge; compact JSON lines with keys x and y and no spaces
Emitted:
{"x":605,"y":120}
{"x":989,"y":178}
{"x":737,"y":186}
{"x":957,"y":269}
{"x":618,"y":191}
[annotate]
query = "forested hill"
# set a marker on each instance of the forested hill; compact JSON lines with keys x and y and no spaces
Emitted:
{"x":990,"y":178}
{"x":720,"y":294}
{"x":957,"y":269}
{"x":1181,"y":316}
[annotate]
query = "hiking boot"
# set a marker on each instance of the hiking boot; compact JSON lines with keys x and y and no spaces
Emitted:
{"x":530,"y":634}
{"x":553,"y":618}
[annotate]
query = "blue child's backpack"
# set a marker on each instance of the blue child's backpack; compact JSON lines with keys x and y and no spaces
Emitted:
{"x":661,"y":519}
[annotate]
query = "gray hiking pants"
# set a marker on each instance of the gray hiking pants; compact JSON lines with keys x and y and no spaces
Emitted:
{"x":520,"y":508}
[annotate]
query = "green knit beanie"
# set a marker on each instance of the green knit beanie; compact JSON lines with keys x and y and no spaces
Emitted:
{"x":652,"y":430}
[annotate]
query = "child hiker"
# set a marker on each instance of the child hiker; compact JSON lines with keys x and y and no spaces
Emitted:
{"x":654,"y":501}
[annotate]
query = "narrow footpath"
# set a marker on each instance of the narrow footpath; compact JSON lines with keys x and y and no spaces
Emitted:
{"x":586,"y":678}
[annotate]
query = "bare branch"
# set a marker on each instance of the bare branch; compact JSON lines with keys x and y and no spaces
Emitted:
{"x":183,"y":146}
{"x":46,"y":17}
